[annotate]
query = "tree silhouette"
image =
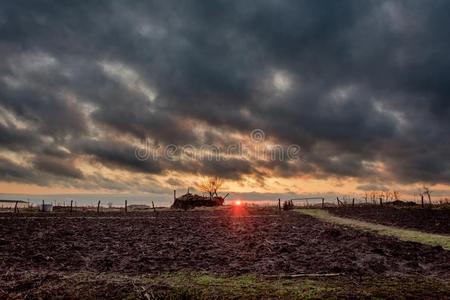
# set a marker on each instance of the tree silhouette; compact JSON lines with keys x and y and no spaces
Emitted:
{"x":211,"y":186}
{"x":426,"y":191}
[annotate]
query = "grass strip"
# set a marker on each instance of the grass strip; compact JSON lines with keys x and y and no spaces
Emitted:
{"x":85,"y":285}
{"x":402,"y":234}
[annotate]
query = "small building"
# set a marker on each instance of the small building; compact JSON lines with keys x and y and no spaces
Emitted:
{"x":11,"y":204}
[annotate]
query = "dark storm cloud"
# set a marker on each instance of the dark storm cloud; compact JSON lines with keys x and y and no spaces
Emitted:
{"x":15,"y":138}
{"x":118,"y":155}
{"x":46,"y":110}
{"x":12,"y":172}
{"x":57,"y":166}
{"x":352,"y":82}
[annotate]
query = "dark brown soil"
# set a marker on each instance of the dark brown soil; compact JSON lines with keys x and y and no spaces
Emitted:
{"x":427,"y":220}
{"x":224,"y":242}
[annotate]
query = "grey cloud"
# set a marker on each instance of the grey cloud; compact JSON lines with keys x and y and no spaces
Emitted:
{"x":57,"y":166}
{"x":372,"y":187}
{"x":118,"y":155}
{"x":366,"y":81}
{"x":12,"y":172}
{"x":174,"y":182}
{"x":15,"y":138}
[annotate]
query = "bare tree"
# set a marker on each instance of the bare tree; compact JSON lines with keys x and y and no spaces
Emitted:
{"x":426,"y":191}
{"x":211,"y":186}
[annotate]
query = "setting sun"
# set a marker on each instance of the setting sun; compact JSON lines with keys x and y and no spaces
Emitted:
{"x":237,"y":203}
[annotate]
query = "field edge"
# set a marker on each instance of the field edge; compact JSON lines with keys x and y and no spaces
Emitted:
{"x":410,"y":235}
{"x":87,"y":285}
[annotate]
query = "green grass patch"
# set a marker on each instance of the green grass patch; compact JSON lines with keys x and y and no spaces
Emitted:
{"x":400,"y":233}
{"x":85,"y":285}
{"x":207,"y":286}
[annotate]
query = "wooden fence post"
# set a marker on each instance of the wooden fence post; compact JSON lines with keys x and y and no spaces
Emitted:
{"x":154,"y":209}
{"x":381,"y":201}
{"x":71,"y":206}
{"x":279,"y":204}
{"x":43,"y":204}
{"x":174,"y":195}
{"x":353,"y":202}
{"x":323,"y":202}
{"x":98,"y":206}
{"x":16,"y":210}
{"x":126,"y":206}
{"x":422,"y":201}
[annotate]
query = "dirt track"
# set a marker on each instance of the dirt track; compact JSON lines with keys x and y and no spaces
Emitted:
{"x":224,"y":242}
{"x":427,"y":220}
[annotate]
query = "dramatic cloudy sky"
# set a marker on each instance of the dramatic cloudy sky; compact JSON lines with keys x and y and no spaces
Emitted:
{"x":362,"y":87}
